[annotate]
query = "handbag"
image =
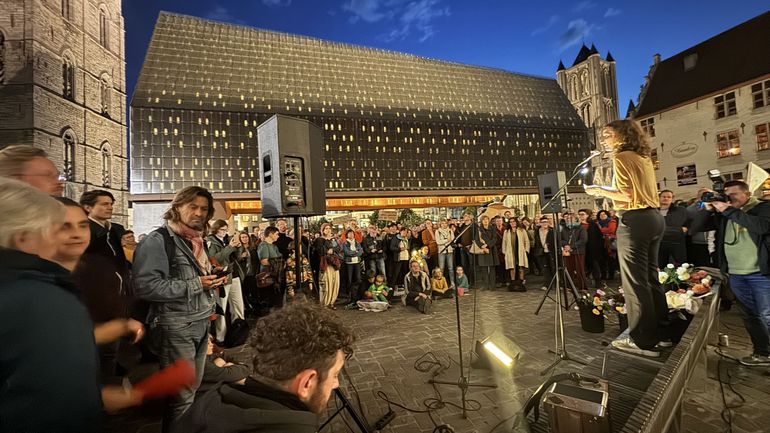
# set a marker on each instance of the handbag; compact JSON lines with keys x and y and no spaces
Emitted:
{"x":334,"y":261}
{"x":265,"y":279}
{"x":476,"y":249}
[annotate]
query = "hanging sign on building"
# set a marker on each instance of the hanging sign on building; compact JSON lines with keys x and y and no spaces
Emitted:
{"x":686,"y":175}
{"x":684,"y":150}
{"x":388,"y":215}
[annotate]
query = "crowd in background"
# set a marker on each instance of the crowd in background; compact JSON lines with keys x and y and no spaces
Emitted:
{"x":189,"y":285}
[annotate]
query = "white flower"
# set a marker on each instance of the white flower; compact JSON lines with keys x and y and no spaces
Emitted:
{"x":670,"y":266}
{"x":680,"y":271}
{"x":685,"y":277}
{"x":690,"y":293}
{"x":662,"y":277}
{"x":685,"y":265}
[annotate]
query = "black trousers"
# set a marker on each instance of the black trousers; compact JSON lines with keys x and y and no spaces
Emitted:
{"x":675,"y":251}
{"x":547,"y":267}
{"x":639,"y":234}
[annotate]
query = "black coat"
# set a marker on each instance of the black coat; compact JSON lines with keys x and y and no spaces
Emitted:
{"x":595,"y":244}
{"x":373,"y":248}
{"x":538,"y":249}
{"x":676,"y":218}
{"x":250,"y":408}
{"x":103,"y":275}
{"x":48,"y":362}
{"x":756,"y":221}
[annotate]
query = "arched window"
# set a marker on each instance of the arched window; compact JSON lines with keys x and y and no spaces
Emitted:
{"x":104,"y":23}
{"x":68,"y":78}
{"x":105,"y":94}
{"x":65,"y":9}
{"x":106,"y":165}
{"x":2,"y":57}
{"x":69,"y":141}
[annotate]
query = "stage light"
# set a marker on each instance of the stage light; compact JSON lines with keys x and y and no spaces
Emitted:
{"x":584,"y":170}
{"x":496,"y":352}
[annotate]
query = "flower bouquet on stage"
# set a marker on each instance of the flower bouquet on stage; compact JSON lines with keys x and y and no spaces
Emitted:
{"x":686,"y":288}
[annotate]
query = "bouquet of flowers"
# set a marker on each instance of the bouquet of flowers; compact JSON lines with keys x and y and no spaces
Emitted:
{"x":672,"y":275}
{"x":596,"y":301}
{"x":685,"y":278}
{"x":687,"y":287}
{"x":617,"y":301}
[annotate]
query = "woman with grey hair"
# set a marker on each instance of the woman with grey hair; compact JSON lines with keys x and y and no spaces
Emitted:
{"x":42,"y":323}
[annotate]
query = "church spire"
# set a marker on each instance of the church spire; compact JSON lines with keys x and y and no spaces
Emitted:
{"x":561,"y":66}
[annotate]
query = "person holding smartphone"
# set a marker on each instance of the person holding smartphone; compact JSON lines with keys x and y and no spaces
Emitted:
{"x":640,"y":230}
{"x":224,"y":249}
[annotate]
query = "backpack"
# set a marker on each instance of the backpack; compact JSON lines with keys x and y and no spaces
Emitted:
{"x":237,"y":333}
{"x":170,"y":247}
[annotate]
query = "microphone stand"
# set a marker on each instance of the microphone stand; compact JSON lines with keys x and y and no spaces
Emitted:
{"x":560,"y":344}
{"x":463,"y":381}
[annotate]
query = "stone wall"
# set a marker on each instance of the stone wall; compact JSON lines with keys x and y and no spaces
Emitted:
{"x":32,"y":105}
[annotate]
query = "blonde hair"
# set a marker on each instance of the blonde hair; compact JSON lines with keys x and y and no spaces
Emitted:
{"x":437,"y":271}
{"x":14,"y":158}
{"x":26,"y":209}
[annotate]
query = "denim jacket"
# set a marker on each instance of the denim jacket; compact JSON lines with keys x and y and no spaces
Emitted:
{"x":352,"y":255}
{"x":173,"y":299}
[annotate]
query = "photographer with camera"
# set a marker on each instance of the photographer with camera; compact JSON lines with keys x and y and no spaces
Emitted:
{"x":742,"y":225}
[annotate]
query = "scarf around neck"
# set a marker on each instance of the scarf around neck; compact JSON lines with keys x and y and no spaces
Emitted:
{"x":196,"y":239}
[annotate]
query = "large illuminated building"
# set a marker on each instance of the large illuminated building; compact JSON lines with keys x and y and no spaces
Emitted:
{"x":399,"y":130}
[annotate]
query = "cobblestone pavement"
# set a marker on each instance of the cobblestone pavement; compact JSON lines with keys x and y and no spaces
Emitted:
{"x":390,"y":343}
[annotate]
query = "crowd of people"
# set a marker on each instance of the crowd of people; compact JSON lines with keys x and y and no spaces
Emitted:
{"x":105,"y":300}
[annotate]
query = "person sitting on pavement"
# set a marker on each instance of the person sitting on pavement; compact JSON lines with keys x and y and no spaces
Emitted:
{"x":438,"y":285}
{"x":418,"y":289}
{"x":219,"y":370}
{"x":378,"y":291}
{"x":299,"y":353}
{"x":461,"y":280}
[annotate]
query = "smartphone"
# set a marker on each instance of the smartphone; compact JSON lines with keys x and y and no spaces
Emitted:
{"x":223,"y":272}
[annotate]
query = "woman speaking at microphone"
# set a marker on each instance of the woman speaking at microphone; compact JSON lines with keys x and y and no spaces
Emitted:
{"x":634,"y":194}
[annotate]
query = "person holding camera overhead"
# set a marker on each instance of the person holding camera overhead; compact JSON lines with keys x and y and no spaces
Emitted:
{"x":742,"y":225}
{"x":640,"y":230}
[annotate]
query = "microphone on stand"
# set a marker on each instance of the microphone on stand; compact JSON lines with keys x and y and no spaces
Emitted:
{"x":490,"y":202}
{"x":594,"y":154}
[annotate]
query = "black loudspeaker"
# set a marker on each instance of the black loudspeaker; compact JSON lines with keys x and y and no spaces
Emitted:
{"x":291,"y":156}
{"x":548,"y":185}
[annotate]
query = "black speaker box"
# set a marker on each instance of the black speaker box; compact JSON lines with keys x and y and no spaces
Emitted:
{"x":291,"y":156}
{"x":548,"y":185}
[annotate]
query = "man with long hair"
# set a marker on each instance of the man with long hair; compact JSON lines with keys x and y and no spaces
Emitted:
{"x":172,"y":273}
{"x":634,"y":194}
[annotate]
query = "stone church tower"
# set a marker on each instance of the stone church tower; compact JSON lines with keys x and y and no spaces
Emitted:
{"x":591,"y":86}
{"x":62,"y":88}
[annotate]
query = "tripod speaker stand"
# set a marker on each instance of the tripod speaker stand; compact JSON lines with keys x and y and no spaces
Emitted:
{"x":560,"y":271}
{"x":552,"y":206}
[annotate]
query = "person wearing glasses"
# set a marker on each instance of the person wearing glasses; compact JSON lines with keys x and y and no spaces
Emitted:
{"x":635,"y":195}
{"x":31,"y":165}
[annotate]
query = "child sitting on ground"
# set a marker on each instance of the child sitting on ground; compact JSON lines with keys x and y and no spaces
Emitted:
{"x":378,"y":291}
{"x":439,"y":286}
{"x":461,"y":280}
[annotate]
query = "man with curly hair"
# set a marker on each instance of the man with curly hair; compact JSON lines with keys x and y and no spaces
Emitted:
{"x":299,"y":352}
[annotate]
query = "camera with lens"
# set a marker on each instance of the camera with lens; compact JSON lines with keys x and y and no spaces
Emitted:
{"x":718,"y":187}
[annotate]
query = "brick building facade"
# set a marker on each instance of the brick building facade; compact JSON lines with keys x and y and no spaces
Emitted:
{"x":62,"y":88}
